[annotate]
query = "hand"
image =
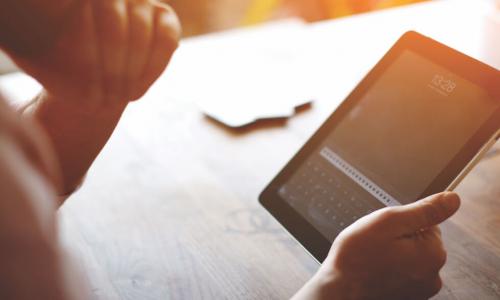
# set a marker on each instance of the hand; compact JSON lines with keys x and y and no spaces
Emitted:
{"x":92,"y":57}
{"x":103,"y":53}
{"x":393,"y":253}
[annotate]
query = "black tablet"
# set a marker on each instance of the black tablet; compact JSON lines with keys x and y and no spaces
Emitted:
{"x":413,"y":127}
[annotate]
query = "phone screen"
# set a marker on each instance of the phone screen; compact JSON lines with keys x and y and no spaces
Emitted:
{"x":389,"y":148}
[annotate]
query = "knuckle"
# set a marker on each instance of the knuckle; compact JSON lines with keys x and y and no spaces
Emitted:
{"x":142,"y":14}
{"x":164,"y":6}
{"x":112,"y":16}
{"x":385,"y":215}
{"x":140,"y":17}
{"x":344,"y":238}
{"x":432,"y":212}
{"x":168,"y":25}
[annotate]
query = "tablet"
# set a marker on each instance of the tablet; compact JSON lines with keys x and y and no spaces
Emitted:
{"x":414,"y":126}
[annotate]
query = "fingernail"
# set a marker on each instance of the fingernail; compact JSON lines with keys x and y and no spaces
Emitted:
{"x":450,"y":201}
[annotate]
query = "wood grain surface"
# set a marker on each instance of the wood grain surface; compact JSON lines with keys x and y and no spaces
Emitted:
{"x":170,"y":211}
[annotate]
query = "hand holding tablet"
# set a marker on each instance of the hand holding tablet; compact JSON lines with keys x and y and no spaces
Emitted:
{"x":413,"y":127}
{"x":394,"y":253}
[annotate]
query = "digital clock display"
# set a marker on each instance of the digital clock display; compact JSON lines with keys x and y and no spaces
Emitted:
{"x":443,"y":85}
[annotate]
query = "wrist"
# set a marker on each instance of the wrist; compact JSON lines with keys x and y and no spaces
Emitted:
{"x":77,"y":133}
{"x":73,"y":108}
{"x":323,"y":285}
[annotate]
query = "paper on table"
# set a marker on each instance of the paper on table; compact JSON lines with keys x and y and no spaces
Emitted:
{"x":247,"y":74}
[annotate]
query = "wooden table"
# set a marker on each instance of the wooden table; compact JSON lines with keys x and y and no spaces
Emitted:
{"x":170,"y":211}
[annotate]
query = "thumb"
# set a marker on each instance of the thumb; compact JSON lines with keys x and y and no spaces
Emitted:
{"x":428,"y":212}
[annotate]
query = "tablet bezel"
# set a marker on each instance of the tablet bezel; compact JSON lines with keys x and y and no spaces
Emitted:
{"x":462,"y":65}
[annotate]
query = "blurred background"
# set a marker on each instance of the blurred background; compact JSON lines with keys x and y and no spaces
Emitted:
{"x":204,"y":16}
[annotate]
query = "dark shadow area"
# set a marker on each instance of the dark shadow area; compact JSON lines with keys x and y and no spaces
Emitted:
{"x":261,"y":124}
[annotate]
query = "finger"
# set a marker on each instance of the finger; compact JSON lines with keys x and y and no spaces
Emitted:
{"x":432,"y":287}
{"x":78,"y":61}
{"x":111,"y":24}
{"x":79,"y":46}
{"x":425,"y":213}
{"x":424,"y":288}
{"x":432,"y":252}
{"x":140,"y":16}
{"x":166,"y":38}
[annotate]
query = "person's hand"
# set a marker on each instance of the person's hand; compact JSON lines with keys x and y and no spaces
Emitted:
{"x":104,"y":52}
{"x":393,"y":253}
{"x":92,"y":57}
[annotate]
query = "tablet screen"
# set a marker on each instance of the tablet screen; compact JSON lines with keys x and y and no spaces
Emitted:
{"x":391,"y":146}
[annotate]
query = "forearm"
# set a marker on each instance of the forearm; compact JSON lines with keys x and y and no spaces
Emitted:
{"x":77,"y":135}
{"x":29,"y":255}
